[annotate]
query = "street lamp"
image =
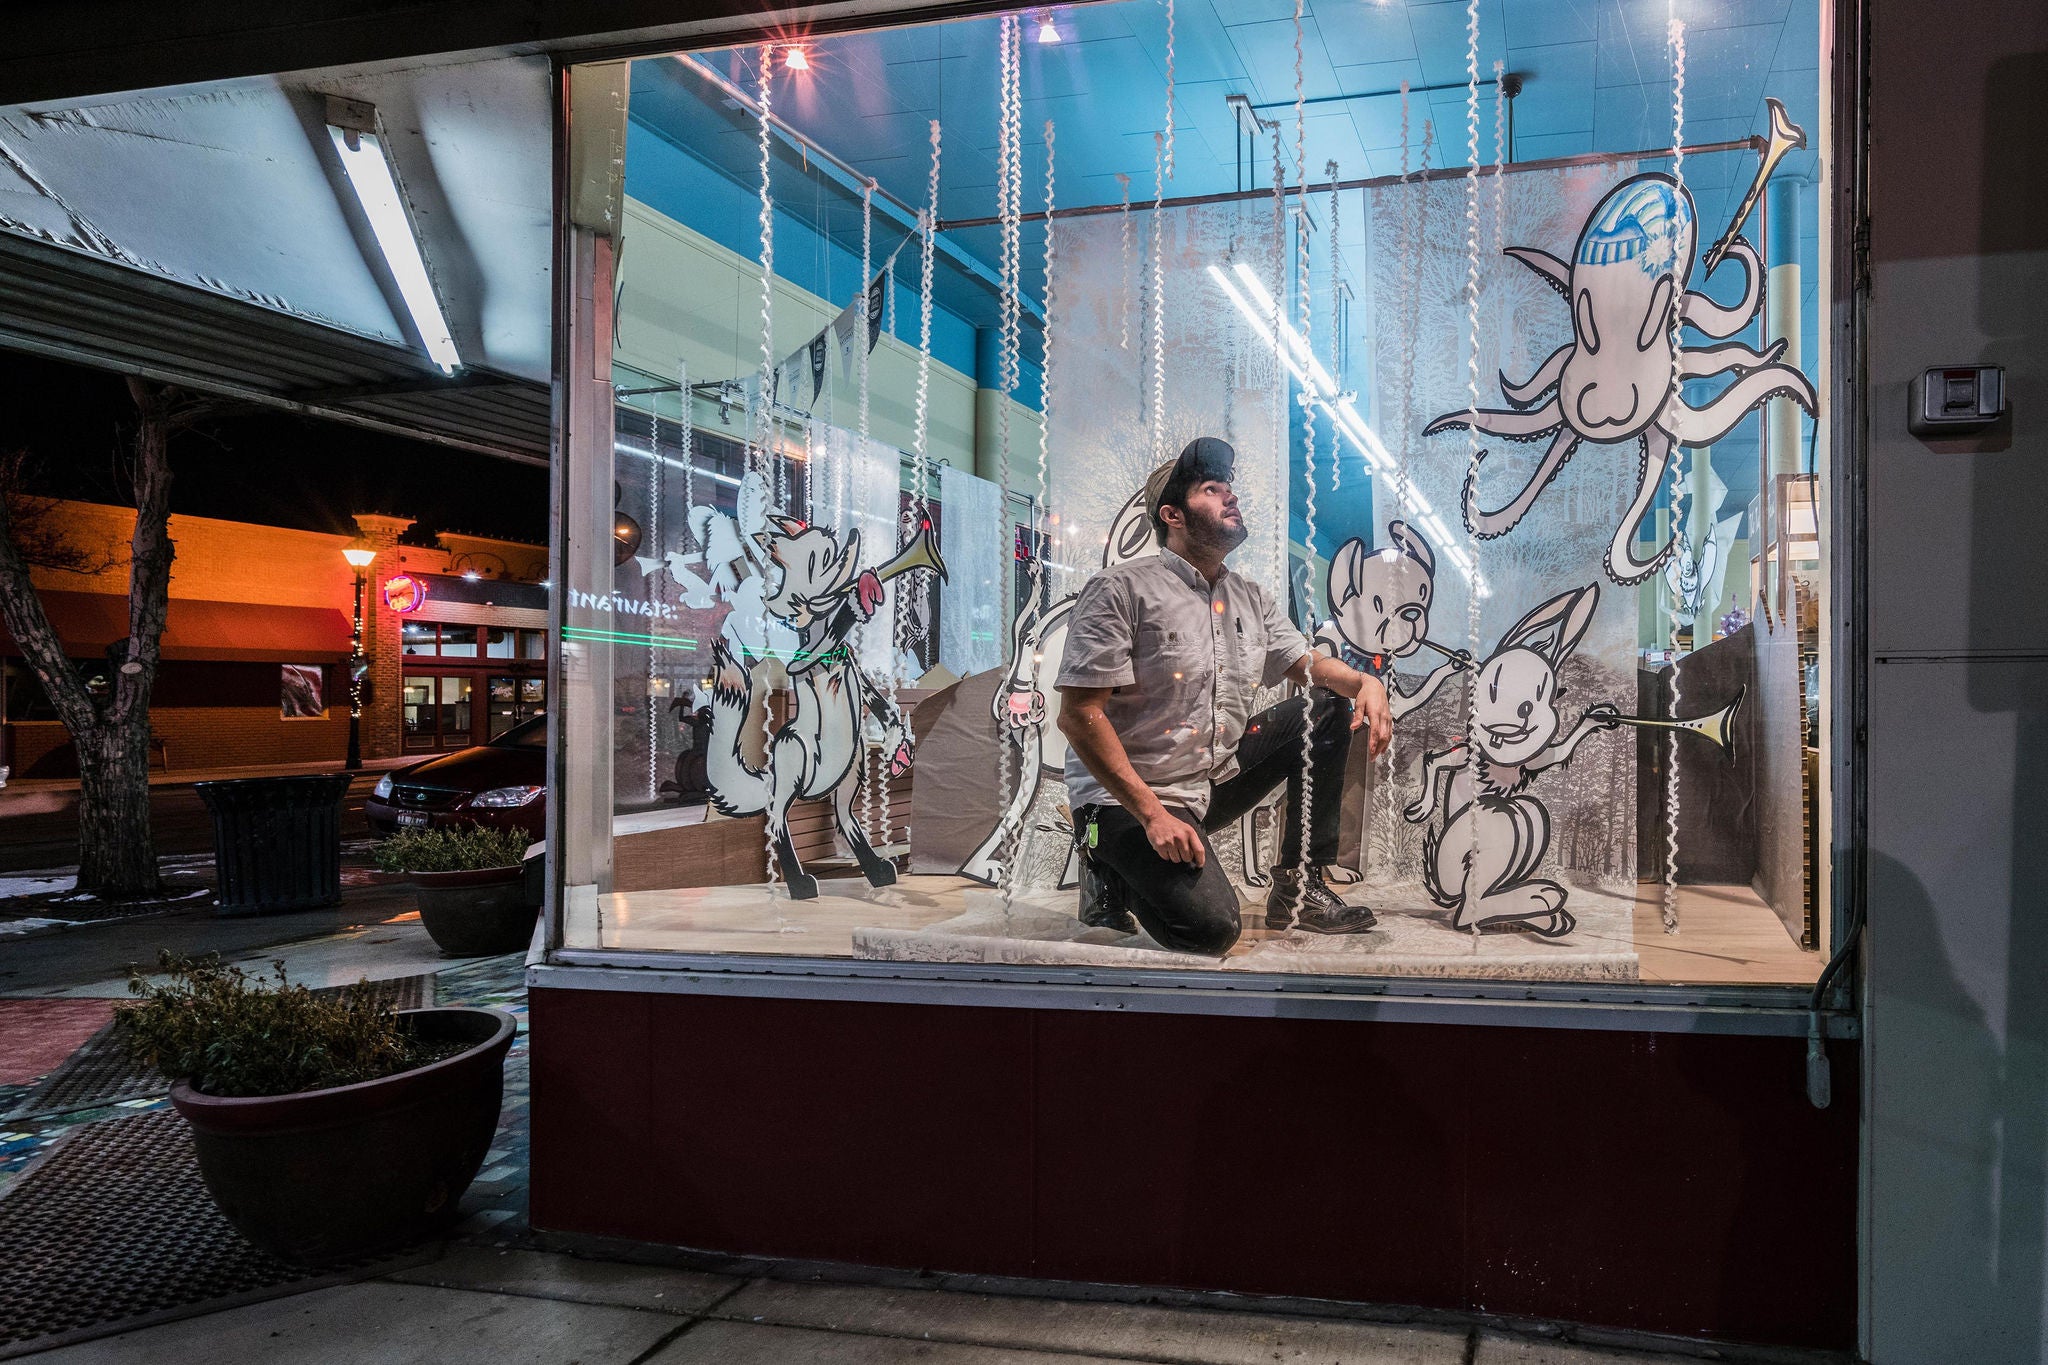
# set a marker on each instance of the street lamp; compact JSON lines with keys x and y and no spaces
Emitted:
{"x":358,"y":552}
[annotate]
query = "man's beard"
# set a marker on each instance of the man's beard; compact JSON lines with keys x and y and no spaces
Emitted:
{"x":1214,"y":534}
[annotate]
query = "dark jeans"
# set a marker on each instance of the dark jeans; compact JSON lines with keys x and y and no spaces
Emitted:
{"x":1195,"y":910}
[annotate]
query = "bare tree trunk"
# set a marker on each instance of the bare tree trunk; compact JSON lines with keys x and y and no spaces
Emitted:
{"x":116,"y":853}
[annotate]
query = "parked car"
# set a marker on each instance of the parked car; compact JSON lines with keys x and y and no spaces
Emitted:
{"x":501,"y":783}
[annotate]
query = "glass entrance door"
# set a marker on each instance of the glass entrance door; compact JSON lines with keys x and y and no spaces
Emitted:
{"x":438,"y":711}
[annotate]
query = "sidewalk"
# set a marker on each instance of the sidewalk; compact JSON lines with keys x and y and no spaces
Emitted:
{"x":491,"y":1306}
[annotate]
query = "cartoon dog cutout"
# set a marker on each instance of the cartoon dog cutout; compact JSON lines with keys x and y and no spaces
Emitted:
{"x":819,"y":591}
{"x":1480,"y":863}
{"x":1380,"y":600}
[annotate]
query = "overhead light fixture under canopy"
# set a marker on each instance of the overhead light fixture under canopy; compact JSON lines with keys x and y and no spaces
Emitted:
{"x":1048,"y":32}
{"x":795,"y":58}
{"x":352,"y":124}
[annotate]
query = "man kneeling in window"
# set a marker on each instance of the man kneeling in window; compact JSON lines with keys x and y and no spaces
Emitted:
{"x":1162,"y":660}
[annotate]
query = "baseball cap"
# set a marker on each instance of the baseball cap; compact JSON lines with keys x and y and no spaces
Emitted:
{"x":1205,"y":457}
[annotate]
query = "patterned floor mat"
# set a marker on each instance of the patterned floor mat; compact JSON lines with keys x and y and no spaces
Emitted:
{"x":113,"y":1229}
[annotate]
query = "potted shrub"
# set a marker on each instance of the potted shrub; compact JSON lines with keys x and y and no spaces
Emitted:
{"x":327,"y":1127}
{"x":470,"y":883}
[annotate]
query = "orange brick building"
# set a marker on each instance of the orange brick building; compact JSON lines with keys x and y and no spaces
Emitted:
{"x":257,"y":642}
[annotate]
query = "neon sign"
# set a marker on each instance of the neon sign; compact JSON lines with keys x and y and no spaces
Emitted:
{"x":403,"y":593}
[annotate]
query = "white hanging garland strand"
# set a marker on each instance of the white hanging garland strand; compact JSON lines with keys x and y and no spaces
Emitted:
{"x":761,"y":423}
{"x":1169,"y":89}
{"x":1677,"y":458}
{"x":1305,"y":312}
{"x":1278,"y":571}
{"x":1409,"y":247}
{"x":1124,"y":300}
{"x":1040,"y":551}
{"x":1009,"y":198}
{"x":687,"y":453}
{"x":927,"y":226}
{"x":1308,"y":515}
{"x":1157,"y":294}
{"x":879,"y":774}
{"x":920,"y":474}
{"x":1336,"y":336}
{"x":1473,"y":758}
{"x":655,"y":715}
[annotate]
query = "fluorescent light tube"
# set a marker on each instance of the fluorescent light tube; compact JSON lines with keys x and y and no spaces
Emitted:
{"x":1257,"y":305}
{"x":673,"y":463}
{"x":369,"y":174}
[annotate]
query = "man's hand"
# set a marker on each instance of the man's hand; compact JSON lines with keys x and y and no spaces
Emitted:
{"x":1372,"y":709}
{"x":1362,"y":688}
{"x":1174,"y":839}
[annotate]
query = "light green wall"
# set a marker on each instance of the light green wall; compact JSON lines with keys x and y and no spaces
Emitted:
{"x":684,"y":295}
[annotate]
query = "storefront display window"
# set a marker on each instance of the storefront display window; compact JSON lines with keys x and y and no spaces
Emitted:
{"x":1539,"y":443}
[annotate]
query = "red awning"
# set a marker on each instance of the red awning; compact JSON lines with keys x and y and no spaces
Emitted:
{"x":249,"y":632}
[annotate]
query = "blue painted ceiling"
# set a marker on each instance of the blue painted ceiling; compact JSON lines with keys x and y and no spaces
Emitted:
{"x":1598,"y":77}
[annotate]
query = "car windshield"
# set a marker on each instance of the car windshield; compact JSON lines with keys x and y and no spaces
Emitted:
{"x":532,"y":734}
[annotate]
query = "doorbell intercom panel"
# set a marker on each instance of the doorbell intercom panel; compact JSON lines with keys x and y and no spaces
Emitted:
{"x":1954,"y":400}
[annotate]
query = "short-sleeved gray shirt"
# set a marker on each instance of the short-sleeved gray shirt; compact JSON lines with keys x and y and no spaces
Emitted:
{"x":1186,"y":659}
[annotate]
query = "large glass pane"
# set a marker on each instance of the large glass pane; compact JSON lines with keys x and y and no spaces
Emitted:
{"x":504,"y":705}
{"x":418,"y":711}
{"x":455,"y":717}
{"x":499,"y":642}
{"x":459,"y":642}
{"x":417,"y":637}
{"x":1540,"y":447}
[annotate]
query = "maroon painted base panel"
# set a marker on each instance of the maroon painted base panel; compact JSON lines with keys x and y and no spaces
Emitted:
{"x":1661,"y":1182}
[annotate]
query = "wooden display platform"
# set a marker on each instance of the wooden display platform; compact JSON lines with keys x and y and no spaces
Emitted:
{"x":1726,"y":934}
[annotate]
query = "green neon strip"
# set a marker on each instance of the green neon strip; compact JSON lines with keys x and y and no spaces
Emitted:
{"x":621,"y":637}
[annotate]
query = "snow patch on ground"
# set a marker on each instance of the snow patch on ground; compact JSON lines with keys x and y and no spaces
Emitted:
{"x":29,"y":926}
{"x":11,"y":887}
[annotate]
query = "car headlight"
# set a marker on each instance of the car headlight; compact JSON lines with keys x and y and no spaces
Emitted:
{"x":383,"y":788}
{"x":504,"y":798}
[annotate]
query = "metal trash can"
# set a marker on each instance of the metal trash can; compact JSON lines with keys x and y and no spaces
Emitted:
{"x":276,"y":841}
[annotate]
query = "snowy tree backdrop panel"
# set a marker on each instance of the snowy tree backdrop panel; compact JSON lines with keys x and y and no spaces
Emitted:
{"x":1418,"y":291}
{"x":1218,"y":377}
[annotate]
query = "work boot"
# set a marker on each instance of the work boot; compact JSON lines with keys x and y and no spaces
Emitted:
{"x":1321,"y":910}
{"x":1105,"y":900}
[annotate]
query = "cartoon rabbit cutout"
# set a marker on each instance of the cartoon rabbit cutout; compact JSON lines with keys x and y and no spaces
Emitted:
{"x":1480,"y":864}
{"x":1381,"y":600}
{"x":1026,"y":707}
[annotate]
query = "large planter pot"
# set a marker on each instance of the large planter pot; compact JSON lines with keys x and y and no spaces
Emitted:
{"x":476,"y":914}
{"x":332,"y":1175}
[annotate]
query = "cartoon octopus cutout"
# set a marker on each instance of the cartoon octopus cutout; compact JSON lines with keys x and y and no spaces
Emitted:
{"x":1618,"y":379}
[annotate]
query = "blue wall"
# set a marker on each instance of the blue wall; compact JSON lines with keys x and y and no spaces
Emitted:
{"x":673,"y":181}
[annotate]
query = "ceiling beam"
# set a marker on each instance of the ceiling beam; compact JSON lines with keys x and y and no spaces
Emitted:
{"x":1753,"y":144}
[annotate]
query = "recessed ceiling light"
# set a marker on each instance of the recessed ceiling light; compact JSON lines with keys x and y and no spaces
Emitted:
{"x":1047,"y":33}
{"x":795,"y":58}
